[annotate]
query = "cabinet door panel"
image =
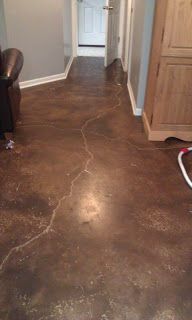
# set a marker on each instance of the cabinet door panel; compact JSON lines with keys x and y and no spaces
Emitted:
{"x":178,"y":29}
{"x":173,"y":100}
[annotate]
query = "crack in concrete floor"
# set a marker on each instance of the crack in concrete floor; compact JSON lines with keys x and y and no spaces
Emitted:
{"x":64,"y":197}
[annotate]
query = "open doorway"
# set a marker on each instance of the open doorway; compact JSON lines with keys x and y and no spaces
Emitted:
{"x":91,"y":20}
{"x":96,"y":29}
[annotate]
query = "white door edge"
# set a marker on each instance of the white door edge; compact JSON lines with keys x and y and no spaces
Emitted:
{"x":129,"y":36}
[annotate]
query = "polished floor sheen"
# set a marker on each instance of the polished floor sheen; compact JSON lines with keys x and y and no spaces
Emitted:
{"x":95,"y":221}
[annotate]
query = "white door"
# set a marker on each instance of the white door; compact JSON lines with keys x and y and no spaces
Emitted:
{"x":112,"y":9}
{"x":91,"y":22}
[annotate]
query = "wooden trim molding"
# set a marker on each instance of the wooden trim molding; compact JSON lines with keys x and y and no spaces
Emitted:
{"x":162,"y":135}
{"x":155,"y":56}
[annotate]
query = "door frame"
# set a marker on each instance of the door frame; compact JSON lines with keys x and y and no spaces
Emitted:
{"x":74,"y":27}
{"x":130,"y":20}
{"x":128,"y":36}
{"x":74,"y":6}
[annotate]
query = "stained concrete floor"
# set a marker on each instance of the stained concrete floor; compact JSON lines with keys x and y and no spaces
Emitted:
{"x":95,"y":221}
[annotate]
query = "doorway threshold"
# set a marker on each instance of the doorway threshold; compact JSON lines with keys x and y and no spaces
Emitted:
{"x":91,"y":51}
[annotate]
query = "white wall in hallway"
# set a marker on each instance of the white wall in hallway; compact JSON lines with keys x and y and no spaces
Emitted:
{"x":41,"y":30}
{"x":67,"y":31}
{"x":125,"y":33}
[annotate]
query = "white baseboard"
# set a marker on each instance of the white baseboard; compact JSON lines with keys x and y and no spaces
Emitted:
{"x":36,"y":82}
{"x":56,"y":77}
{"x":123,"y":65}
{"x":68,"y":67}
{"x":136,"y":111}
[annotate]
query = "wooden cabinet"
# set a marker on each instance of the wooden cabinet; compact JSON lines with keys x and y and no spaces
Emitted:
{"x":177,"y":40}
{"x":168,"y":103}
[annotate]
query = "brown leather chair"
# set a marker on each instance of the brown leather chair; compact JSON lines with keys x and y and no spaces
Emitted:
{"x":11,"y":63}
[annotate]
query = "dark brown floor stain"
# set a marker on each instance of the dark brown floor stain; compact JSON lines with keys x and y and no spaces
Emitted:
{"x":95,"y":221}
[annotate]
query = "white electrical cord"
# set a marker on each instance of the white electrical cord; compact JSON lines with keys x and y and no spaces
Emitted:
{"x":180,"y":161}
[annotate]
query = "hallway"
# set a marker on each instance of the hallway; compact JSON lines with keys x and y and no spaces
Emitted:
{"x":95,"y":221}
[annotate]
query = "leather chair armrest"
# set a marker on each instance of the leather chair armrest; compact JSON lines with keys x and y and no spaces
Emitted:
{"x":12,"y":63}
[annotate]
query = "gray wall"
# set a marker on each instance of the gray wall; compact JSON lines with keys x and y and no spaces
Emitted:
{"x":3,"y":33}
{"x":67,"y":31}
{"x":36,"y":27}
{"x":140,"y":49}
{"x":125,"y":9}
{"x":136,"y":48}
